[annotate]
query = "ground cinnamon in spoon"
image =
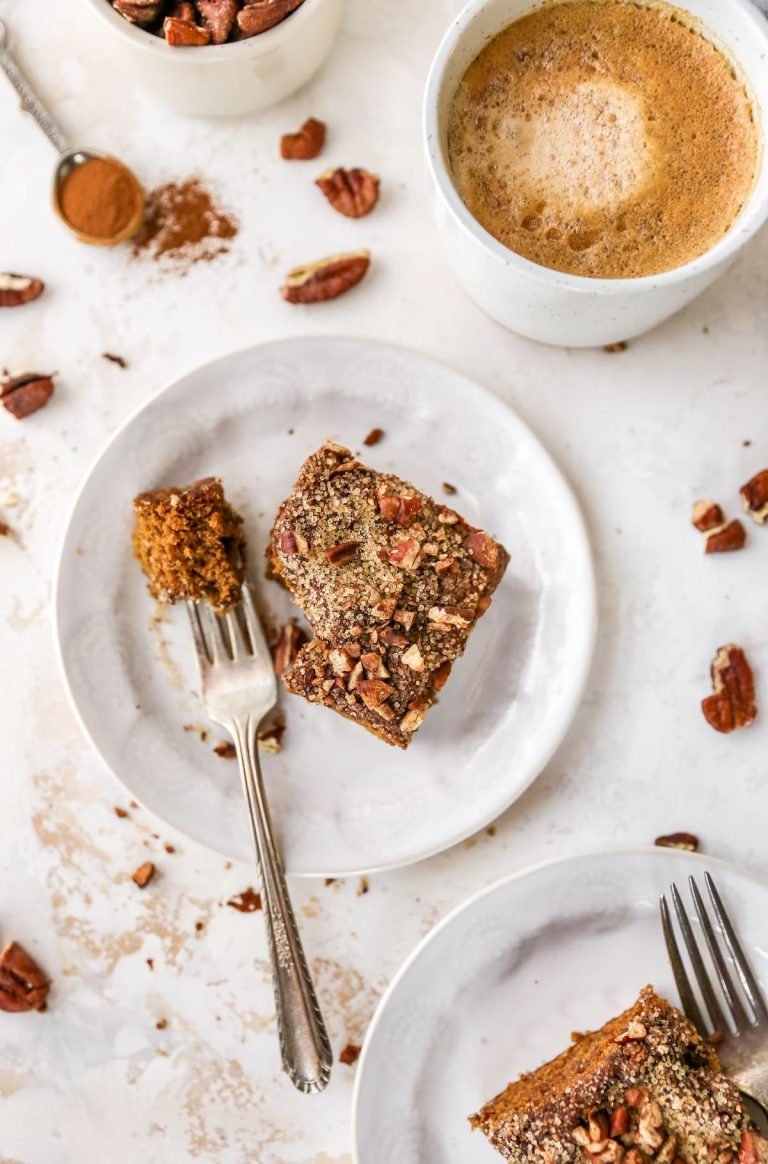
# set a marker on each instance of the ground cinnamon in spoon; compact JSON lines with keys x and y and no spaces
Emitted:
{"x":100,"y":198}
{"x":183,"y":226}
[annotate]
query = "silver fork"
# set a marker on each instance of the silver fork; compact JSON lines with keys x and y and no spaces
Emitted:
{"x":734,"y":1020}
{"x":240,"y":689}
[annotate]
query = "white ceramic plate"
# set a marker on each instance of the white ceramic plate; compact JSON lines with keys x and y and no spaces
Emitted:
{"x":343,"y":801}
{"x":498,"y":986}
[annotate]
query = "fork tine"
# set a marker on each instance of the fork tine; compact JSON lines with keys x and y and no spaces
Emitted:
{"x":240,"y":649}
{"x":730,"y":993}
{"x":748,"y":980}
{"x":197,"y":634}
{"x":684,"y":989}
{"x":699,"y":969}
{"x":214,"y":634}
{"x":252,"y":620}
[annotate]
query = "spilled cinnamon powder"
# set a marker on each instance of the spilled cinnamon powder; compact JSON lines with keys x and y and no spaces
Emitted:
{"x":184,"y":226}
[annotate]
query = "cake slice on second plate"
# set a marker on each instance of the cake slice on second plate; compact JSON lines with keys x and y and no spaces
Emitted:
{"x":392,"y":584}
{"x":645,"y":1087}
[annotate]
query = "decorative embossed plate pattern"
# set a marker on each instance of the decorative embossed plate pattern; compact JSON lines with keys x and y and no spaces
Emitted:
{"x":343,"y":801}
{"x":498,"y":987}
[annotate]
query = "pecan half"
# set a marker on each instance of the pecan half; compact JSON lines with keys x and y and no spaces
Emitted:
{"x":143,"y":875}
{"x":732,"y":705}
{"x":304,"y":145}
{"x":218,"y":17}
{"x":354,"y":193}
{"x":326,"y":279}
{"x":723,"y":539}
{"x":482,"y":548}
{"x":707,"y":515}
{"x":687,"y":841}
{"x":25,"y":394}
{"x":138,"y":12}
{"x":342,"y":553}
{"x":290,"y":641}
{"x":754,"y":497}
{"x":18,"y":289}
{"x":180,"y":33}
{"x":263,"y":14}
{"x":373,"y":438}
{"x":23,"y":985}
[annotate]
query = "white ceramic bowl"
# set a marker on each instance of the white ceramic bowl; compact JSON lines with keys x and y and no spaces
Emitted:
{"x":227,"y":80}
{"x":550,"y":306}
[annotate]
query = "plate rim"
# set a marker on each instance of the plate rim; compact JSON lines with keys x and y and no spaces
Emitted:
{"x":469,"y":902}
{"x":579,"y":528}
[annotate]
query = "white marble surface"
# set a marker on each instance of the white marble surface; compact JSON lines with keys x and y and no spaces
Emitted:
{"x":640,"y":434}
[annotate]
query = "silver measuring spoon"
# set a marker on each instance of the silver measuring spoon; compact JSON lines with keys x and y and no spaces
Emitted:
{"x":69,"y":158}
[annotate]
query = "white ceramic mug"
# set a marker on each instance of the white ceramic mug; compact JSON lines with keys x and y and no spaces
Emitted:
{"x":547,"y":305}
{"x":225,"y":80}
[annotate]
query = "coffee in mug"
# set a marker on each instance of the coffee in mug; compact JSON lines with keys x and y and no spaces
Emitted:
{"x":604,"y":138}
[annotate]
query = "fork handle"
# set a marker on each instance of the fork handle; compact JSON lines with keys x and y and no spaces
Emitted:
{"x":304,"y":1045}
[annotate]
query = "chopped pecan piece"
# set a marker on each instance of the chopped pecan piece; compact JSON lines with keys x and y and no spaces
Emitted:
{"x":450,"y":616}
{"x":325,"y":279}
{"x":373,"y":438}
{"x":249,"y":901}
{"x":374,"y":692}
{"x":732,"y":705}
{"x":225,"y":750}
{"x":342,"y":553}
{"x":350,"y":1054}
{"x":707,"y":515}
{"x":619,"y":1124}
{"x":686,"y":841}
{"x":304,"y":145}
{"x":413,"y":658}
{"x":354,"y":193}
{"x":218,"y":17}
{"x":16,"y":290}
{"x":753,"y":1149}
{"x":25,"y":394}
{"x":482,"y":548}
{"x":383,"y":608}
{"x":180,"y":33}
{"x":113,"y":359}
{"x":754,"y":497}
{"x":292,"y":542}
{"x":271,"y":737}
{"x":260,"y":15}
{"x":440,"y":677}
{"x":404,"y":554}
{"x":393,"y":638}
{"x":23,"y":985}
{"x":290,"y":641}
{"x":143,"y":875}
{"x":618,"y":346}
{"x":725,"y":538}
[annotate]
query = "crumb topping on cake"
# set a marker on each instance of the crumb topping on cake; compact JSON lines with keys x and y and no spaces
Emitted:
{"x":392,"y":584}
{"x":644,"y":1087}
{"x":190,"y":543}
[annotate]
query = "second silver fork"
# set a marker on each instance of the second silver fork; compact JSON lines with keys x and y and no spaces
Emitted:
{"x":239,"y":690}
{"x":734,"y":1018}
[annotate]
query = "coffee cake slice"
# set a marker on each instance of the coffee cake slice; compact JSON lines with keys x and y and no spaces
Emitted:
{"x":190,"y":543}
{"x":645,"y":1087}
{"x":392,"y":584}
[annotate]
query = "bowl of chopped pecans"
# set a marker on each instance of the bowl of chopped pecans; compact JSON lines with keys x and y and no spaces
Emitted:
{"x":219,"y":58}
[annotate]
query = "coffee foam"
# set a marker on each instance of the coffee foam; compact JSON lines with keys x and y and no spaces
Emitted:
{"x":604,"y":138}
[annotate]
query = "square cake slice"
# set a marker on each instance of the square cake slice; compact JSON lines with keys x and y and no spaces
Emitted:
{"x":645,"y":1087}
{"x":392,"y":584}
{"x":190,"y":543}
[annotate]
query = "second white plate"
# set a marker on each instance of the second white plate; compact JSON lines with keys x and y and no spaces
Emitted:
{"x":498,"y":986}
{"x":343,"y":801}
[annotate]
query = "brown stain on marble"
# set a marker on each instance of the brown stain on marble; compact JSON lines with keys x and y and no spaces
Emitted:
{"x":86,"y":874}
{"x":12,"y":1081}
{"x":347,"y":1000}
